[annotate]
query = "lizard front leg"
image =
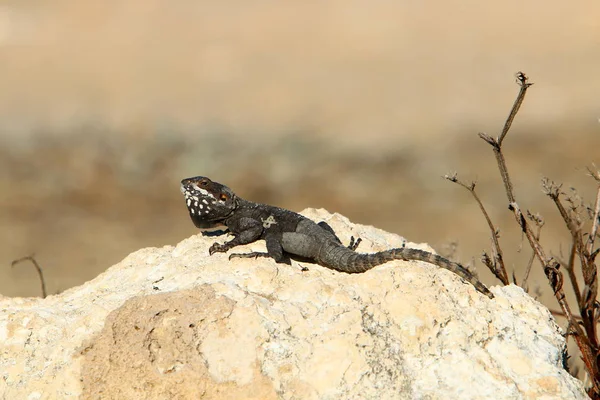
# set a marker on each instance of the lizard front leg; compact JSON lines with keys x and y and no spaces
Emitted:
{"x":246,"y":230}
{"x":274,"y":250}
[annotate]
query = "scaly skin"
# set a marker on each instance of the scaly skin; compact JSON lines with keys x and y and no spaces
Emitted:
{"x":285,"y":232}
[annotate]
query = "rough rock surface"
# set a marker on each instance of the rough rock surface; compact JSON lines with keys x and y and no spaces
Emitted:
{"x":173,"y":323}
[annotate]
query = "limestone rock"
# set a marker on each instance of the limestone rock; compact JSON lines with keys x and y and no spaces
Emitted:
{"x":174,"y":323}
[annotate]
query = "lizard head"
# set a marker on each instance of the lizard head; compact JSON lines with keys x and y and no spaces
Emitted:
{"x":209,"y":203}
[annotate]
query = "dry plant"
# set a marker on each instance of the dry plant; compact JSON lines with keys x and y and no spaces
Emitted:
{"x":37,"y":268}
{"x":583,"y":250}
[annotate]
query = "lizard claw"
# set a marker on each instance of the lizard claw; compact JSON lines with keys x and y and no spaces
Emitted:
{"x":354,"y":244}
{"x":217,"y":248}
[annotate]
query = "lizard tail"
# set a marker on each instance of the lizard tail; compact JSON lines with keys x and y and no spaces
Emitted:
{"x":351,"y":262}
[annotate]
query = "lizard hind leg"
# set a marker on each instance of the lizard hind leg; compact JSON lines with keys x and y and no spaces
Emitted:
{"x":329,"y":229}
{"x":353,"y":243}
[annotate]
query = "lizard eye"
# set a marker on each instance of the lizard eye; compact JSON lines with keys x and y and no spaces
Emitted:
{"x":223,"y":197}
{"x":203,"y":183}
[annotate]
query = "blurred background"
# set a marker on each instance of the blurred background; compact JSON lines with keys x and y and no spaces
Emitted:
{"x":356,"y":107}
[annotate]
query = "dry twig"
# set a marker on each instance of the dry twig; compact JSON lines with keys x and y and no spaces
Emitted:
{"x":38,"y":269}
{"x":582,"y":328}
{"x":495,"y":264}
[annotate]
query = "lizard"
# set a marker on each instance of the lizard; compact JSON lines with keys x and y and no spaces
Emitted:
{"x":286,"y":233}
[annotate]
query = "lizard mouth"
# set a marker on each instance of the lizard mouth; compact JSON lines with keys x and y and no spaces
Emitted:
{"x":208,"y":226}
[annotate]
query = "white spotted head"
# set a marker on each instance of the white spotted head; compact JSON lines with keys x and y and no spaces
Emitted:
{"x":209,"y":203}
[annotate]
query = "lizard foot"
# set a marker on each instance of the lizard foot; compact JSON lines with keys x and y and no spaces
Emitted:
{"x":354,"y":244}
{"x":248,"y":255}
{"x":217,"y":248}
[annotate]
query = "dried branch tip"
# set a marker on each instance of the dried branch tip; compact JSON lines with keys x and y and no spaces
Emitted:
{"x":522,"y":79}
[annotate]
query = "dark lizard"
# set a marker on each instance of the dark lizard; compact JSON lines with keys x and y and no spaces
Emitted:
{"x":211,"y":204}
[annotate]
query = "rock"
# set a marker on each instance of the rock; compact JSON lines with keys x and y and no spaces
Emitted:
{"x":174,"y":323}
